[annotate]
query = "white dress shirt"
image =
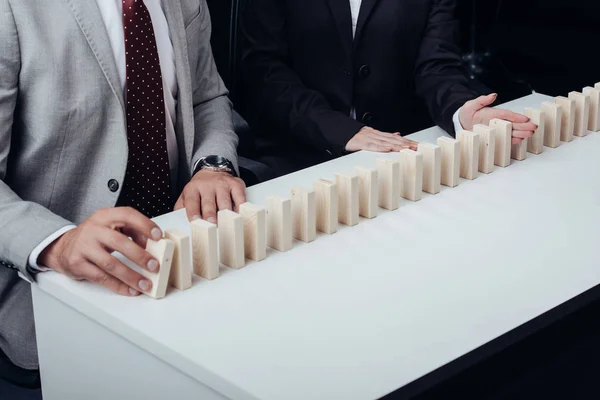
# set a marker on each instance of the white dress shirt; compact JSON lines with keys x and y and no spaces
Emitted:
{"x":112,"y":11}
{"x":355,"y":11}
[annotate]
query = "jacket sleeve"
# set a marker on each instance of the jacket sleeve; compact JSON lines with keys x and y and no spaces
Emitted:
{"x":23,"y":224}
{"x":276,"y":97}
{"x":212,"y":107}
{"x":440,"y":77}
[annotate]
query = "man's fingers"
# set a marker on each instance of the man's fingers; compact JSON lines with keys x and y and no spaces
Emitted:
{"x":224,"y":199}
{"x":179,"y":204}
{"x":92,"y":273}
{"x":115,"y":241}
{"x":192,"y":205}
{"x":528,"y":126}
{"x":111,"y":267}
{"x":516,"y":140}
{"x":238,"y":194}
{"x":127,"y":217}
{"x":138,"y":238}
{"x":522,"y":134}
{"x":209,"y":207}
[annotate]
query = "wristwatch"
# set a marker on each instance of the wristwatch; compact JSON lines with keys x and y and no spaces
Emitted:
{"x":215,"y":163}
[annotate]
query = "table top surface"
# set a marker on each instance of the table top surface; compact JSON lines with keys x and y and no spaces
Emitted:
{"x":365,"y":311}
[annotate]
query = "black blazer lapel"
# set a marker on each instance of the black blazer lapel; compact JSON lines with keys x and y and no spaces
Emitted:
{"x":366,"y":8}
{"x":340,"y":9}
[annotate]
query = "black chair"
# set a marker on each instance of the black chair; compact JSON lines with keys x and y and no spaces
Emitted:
{"x":226,"y":46}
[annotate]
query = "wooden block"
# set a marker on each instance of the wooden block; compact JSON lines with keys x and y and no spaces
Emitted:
{"x":368,"y":192}
{"x":552,"y":124}
{"x":450,"y":161}
{"x":582,"y":113}
{"x":279,"y":223}
{"x":503,"y":140}
{"x":255,"y":231}
{"x":326,"y":198}
{"x":304,"y":214}
{"x":535,"y":144}
{"x":205,"y":249}
{"x":411,"y":175}
{"x":388,"y":172}
{"x":181,"y":267}
{"x":487,"y":147}
{"x":432,"y":167}
{"x":597,"y":86}
{"x":469,"y":154}
{"x":567,"y":127}
{"x":163,"y":252}
{"x":231,"y":239}
{"x":594,"y":96}
{"x":348,"y":212}
{"x":519,"y":151}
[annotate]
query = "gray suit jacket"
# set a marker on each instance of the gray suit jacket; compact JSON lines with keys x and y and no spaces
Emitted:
{"x":63,"y":129}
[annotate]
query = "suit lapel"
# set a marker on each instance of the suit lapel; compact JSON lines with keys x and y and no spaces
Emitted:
{"x":340,"y":9}
{"x":88,"y":17}
{"x":185,"y":113}
{"x":366,"y":8}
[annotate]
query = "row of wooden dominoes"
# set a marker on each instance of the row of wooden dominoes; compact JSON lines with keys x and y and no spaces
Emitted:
{"x":359,"y":194}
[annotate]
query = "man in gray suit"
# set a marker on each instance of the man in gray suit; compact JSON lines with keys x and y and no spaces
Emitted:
{"x":110,"y":110}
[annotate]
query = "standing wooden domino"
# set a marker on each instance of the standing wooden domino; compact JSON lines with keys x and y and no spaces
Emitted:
{"x":450,"y":161}
{"x":304,"y":218}
{"x":503,"y":139}
{"x":205,"y":249}
{"x":411,"y":175}
{"x":388,"y":172}
{"x":181,"y":267}
{"x":594,"y":96}
{"x":348,"y":212}
{"x":469,"y":154}
{"x":519,"y":151}
{"x":487,"y":147}
{"x":535,"y":144}
{"x":255,"y":231}
{"x":231,"y":239}
{"x":582,"y":113}
{"x":567,"y":127}
{"x":326,"y":198}
{"x":552,"y":123}
{"x":163,"y":252}
{"x":432,"y":167}
{"x":368,"y":192}
{"x":279,"y":223}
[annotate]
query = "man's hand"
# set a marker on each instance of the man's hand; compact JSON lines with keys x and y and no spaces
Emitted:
{"x":478,"y":112}
{"x":84,"y":253}
{"x":383,"y":142}
{"x":209,"y":191}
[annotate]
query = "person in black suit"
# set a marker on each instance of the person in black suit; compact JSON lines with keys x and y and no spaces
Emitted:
{"x":325,"y":77}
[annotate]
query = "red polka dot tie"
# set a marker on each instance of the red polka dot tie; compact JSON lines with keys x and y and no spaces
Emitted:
{"x":147,"y":185}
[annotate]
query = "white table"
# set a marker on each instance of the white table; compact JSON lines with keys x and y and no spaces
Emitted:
{"x":355,"y":315}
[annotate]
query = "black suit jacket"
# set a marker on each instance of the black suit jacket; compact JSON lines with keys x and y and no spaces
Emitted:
{"x":303,"y":71}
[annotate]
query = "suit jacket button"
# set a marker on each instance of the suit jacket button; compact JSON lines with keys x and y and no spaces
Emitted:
{"x":364,"y":71}
{"x":113,"y":185}
{"x":367,"y":117}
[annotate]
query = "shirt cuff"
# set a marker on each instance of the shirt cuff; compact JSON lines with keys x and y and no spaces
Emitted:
{"x":456,"y":120}
{"x":42,"y":246}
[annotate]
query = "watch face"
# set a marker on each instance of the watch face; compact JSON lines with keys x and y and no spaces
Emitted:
{"x":215,"y":161}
